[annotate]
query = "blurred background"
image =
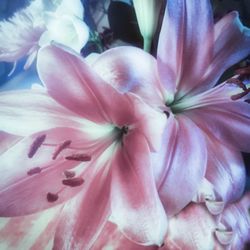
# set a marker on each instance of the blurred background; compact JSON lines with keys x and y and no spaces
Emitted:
{"x":112,"y":23}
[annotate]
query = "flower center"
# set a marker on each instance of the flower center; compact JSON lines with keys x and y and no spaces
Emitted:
{"x":121,"y":132}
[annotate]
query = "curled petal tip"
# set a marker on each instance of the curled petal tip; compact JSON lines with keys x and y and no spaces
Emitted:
{"x":215,"y":207}
{"x":224,"y":237}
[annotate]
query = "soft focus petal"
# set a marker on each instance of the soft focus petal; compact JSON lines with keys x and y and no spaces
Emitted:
{"x":67,"y":30}
{"x":180,"y":165}
{"x":122,"y":67}
{"x":236,"y":218}
{"x":74,"y":8}
{"x":226,"y":171}
{"x":231,"y":44}
{"x":29,"y":111}
{"x":84,"y":217}
{"x":112,"y":238}
{"x":228,"y":122}
{"x":7,"y":141}
{"x":148,"y":121}
{"x":20,"y":34}
{"x":27,"y":180}
{"x":185,"y":44}
{"x":136,"y":207}
{"x":34,"y":232}
{"x":192,"y":229}
{"x":79,"y":88}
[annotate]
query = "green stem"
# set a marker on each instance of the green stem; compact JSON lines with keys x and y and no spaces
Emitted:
{"x":147,"y":41}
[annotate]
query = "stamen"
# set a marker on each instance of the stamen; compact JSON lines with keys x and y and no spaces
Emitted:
{"x":51,"y":197}
{"x":78,"y":157}
{"x":36,"y":145}
{"x":73,"y":182}
{"x":238,"y":96}
{"x":237,"y":82}
{"x":243,"y":71}
{"x":60,"y":148}
{"x":69,"y":174}
{"x":33,"y":171}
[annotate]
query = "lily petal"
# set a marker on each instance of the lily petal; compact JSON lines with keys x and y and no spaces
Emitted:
{"x":33,"y":232}
{"x":84,"y":217}
{"x":148,"y":121}
{"x":185,"y":44}
{"x":112,"y":238}
{"x":81,"y":91}
{"x":7,"y":141}
{"x":192,"y":229}
{"x":226,"y":171}
{"x":231,"y":44}
{"x":119,"y":67}
{"x":136,"y":207}
{"x":33,"y":111}
{"x":27,"y":178}
{"x":180,"y":165}
{"x":228,"y":122}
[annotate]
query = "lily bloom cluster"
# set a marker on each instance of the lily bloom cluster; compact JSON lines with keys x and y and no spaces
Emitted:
{"x":129,"y":151}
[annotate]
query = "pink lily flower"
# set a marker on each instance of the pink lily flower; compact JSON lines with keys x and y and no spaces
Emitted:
{"x":39,"y":24}
{"x":194,"y":228}
{"x":208,"y":124}
{"x":89,"y":145}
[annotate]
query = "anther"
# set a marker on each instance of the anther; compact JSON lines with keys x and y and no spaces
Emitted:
{"x":237,"y":82}
{"x":240,"y":95}
{"x":33,"y":171}
{"x":73,"y":182}
{"x":36,"y":145}
{"x":69,"y":174}
{"x":78,"y":157}
{"x":51,"y":197}
{"x":243,"y":71}
{"x":60,"y":148}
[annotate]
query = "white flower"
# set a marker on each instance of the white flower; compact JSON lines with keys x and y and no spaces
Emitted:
{"x":40,"y":23}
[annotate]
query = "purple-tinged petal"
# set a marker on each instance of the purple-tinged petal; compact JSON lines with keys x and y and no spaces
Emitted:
{"x":76,"y":86}
{"x":180,"y":165}
{"x":229,"y":122}
{"x":185,"y":44}
{"x":84,"y":217}
{"x":231,"y":44}
{"x":236,"y":218}
{"x":226,"y":171}
{"x":130,"y":69}
{"x":136,"y":207}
